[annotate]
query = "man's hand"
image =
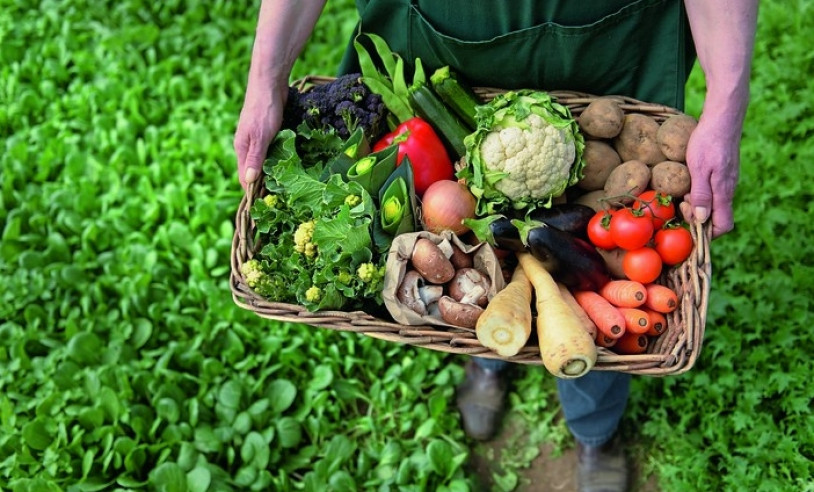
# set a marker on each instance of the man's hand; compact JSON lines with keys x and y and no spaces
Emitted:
{"x":283,"y":27}
{"x":724,"y":35}
{"x":713,"y":159}
{"x":260,"y":119}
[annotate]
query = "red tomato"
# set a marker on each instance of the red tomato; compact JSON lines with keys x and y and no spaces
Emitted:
{"x":599,"y":232}
{"x":656,"y":205}
{"x":642,"y":265}
{"x":673,"y":244}
{"x":630,"y":230}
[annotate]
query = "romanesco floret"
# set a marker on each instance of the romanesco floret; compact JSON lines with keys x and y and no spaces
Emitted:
{"x":344,"y":277}
{"x":257,"y":279}
{"x":353,"y":200}
{"x":313,"y":294}
{"x":368,"y":272}
{"x":302,"y":239}
{"x":252,"y":272}
{"x":271,"y":201}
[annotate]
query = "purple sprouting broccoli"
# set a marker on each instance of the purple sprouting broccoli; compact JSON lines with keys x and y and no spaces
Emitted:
{"x":344,"y":104}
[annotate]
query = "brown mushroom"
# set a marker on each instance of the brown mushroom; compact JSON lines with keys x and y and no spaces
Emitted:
{"x":431,"y":262}
{"x":465,"y":281}
{"x":459,"y":313}
{"x":408,"y":292}
{"x":460,"y":259}
{"x":430,"y":294}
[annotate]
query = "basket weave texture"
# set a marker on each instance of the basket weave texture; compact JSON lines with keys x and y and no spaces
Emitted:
{"x":673,"y":352}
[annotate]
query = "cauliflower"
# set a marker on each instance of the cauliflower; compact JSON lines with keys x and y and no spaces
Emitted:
{"x":302,"y":239}
{"x":526,"y":150}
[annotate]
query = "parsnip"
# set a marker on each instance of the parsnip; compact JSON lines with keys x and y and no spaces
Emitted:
{"x":567,"y":350}
{"x":505,"y":325}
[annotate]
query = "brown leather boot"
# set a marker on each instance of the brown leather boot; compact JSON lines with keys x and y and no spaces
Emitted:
{"x":602,"y":468}
{"x":481,"y":399}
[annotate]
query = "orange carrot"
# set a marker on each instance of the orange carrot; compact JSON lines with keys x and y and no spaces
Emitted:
{"x":631,"y":343}
{"x":603,"y":340}
{"x":624,"y":293}
{"x":661,"y":298}
{"x":636,"y":320}
{"x":658,"y":322}
{"x":605,"y":315}
{"x":589,"y":325}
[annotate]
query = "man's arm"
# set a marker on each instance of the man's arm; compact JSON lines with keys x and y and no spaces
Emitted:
{"x":724,"y":35}
{"x":283,"y":27}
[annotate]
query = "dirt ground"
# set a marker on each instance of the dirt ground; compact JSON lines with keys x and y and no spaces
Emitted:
{"x":550,"y":471}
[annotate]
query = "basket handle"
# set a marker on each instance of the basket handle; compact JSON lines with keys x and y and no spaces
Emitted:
{"x":243,"y":223}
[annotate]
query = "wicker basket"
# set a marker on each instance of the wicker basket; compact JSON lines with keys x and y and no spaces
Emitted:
{"x":674,"y":352}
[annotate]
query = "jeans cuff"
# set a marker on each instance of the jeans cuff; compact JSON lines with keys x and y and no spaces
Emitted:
{"x":594,"y":441}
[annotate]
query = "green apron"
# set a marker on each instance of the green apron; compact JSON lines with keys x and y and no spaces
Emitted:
{"x":637,"y":48}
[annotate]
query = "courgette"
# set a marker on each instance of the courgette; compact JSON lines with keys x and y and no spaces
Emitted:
{"x":449,"y":127}
{"x":458,"y":96}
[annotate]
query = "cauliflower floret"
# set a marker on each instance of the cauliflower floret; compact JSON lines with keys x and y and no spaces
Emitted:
{"x":536,"y":159}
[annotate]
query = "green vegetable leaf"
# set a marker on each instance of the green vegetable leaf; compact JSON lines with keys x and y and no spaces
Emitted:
{"x":281,"y":394}
{"x":168,"y":477}
{"x":289,"y":431}
{"x":199,"y":479}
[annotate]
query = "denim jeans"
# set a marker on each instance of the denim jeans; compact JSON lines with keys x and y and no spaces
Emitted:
{"x":593,"y":404}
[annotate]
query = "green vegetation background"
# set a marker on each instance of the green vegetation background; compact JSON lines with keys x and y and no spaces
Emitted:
{"x":125,"y":364}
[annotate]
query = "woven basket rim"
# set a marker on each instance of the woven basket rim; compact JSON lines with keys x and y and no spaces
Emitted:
{"x":674,"y":352}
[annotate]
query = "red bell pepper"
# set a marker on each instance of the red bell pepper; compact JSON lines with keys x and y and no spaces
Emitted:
{"x":428,"y":156}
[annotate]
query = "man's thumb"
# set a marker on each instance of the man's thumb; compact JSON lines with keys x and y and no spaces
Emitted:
{"x":701,"y":200}
{"x":251,"y":174}
{"x":254,"y":162}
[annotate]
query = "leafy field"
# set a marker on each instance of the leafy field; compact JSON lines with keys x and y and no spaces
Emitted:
{"x":125,"y":364}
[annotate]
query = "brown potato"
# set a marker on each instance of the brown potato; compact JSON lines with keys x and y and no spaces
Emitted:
{"x":638,"y":140}
{"x":602,"y":118}
{"x":600,"y":160}
{"x":628,"y":180}
{"x":593,"y":199}
{"x":671,"y":178}
{"x":613,"y":259}
{"x":674,"y":134}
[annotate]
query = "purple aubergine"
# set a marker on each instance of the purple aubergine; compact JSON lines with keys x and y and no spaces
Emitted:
{"x":572,"y":261}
